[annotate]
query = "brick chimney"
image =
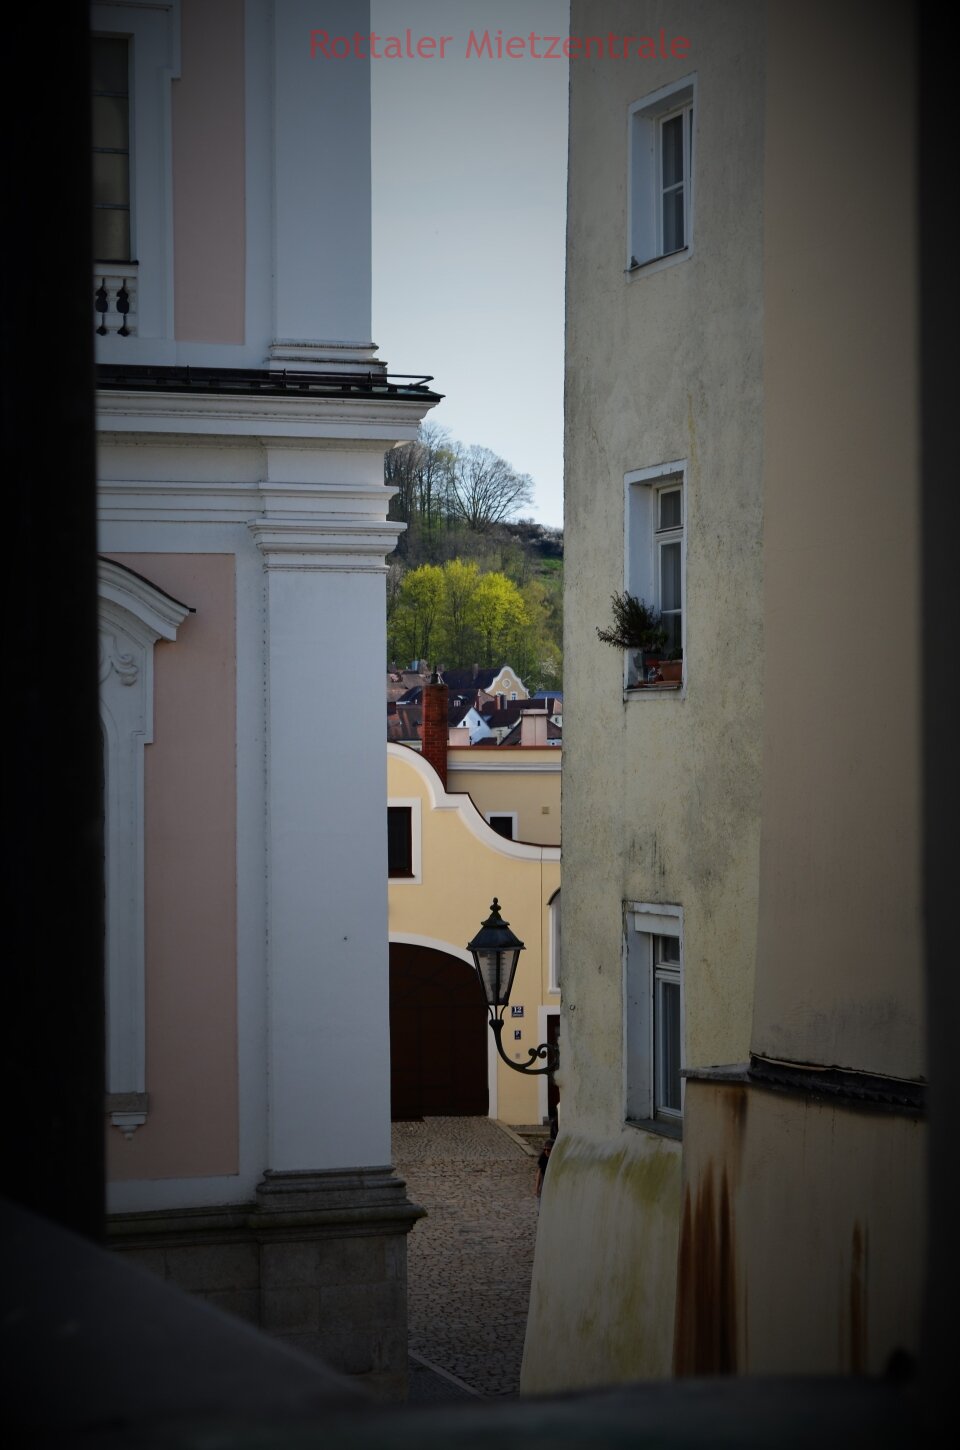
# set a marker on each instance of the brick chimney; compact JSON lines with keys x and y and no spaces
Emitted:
{"x":434,"y":727}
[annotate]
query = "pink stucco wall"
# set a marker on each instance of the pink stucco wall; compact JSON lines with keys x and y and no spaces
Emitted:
{"x":190,"y":896}
{"x":208,"y":174}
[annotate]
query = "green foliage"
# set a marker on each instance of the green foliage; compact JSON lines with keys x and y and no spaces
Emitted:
{"x":458,"y":616}
{"x":469,"y":585}
{"x":635,"y":625}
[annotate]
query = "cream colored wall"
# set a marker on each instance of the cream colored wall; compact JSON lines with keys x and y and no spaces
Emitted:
{"x":661,"y":794}
{"x":803,"y":1234}
{"x":605,"y":1263}
{"x":529,"y":785}
{"x":464,"y":865}
{"x":209,"y":127}
{"x":777,"y":359}
{"x":190,"y":891}
{"x":840,"y":924}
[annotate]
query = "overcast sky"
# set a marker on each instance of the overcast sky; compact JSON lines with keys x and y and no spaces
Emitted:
{"x":469,"y":200}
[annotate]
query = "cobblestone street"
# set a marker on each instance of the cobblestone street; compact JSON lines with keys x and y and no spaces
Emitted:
{"x":470,"y":1260}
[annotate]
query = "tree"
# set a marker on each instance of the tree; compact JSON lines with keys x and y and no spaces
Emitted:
{"x":499,"y":616}
{"x":460,"y":581}
{"x":413,"y":620}
{"x":484,"y":489}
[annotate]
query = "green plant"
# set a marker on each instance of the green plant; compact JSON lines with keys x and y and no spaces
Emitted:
{"x":635,"y":625}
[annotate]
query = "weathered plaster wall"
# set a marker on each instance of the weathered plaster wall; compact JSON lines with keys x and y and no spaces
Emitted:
{"x":803,"y":1232}
{"x":605,"y":1263}
{"x":661,"y":794}
{"x":840,"y":922}
{"x":190,"y":895}
{"x":463,"y":869}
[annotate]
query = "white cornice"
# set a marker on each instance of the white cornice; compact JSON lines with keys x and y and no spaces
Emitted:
{"x":381,"y":419}
{"x":340,"y":507}
{"x":496,"y":766}
{"x":350,"y":545}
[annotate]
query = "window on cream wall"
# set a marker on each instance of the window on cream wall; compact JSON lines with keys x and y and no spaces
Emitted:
{"x":654,"y":1017}
{"x":403,"y":840}
{"x":555,"y":942}
{"x":133,"y":616}
{"x":655,"y":570}
{"x":660,"y":176}
{"x":504,"y":823}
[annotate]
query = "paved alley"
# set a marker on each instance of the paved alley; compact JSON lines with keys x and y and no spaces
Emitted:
{"x":470,"y":1260}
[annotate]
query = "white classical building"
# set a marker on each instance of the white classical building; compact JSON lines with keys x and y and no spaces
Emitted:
{"x":243,"y":416}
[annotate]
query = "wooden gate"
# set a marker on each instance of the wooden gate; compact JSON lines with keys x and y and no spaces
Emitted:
{"x":438,"y":1036}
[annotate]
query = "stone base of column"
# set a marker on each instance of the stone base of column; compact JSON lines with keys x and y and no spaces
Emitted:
{"x":333,"y":1269}
{"x":319,"y":1261}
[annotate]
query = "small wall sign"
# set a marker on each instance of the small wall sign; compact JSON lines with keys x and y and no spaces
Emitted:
{"x":516,"y":1011}
{"x":517,"y":1034}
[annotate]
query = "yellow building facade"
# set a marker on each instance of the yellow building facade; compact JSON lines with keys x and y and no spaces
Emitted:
{"x":444,"y":1059}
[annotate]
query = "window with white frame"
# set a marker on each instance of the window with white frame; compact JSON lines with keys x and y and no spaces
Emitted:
{"x":654,"y":1016}
{"x":660,"y":188}
{"x":504,"y":823}
{"x":655,"y":565}
{"x":133,"y":616}
{"x":404,"y":863}
{"x":555,"y":942}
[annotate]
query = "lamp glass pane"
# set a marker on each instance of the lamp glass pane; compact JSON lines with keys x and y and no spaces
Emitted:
{"x":488,"y":963}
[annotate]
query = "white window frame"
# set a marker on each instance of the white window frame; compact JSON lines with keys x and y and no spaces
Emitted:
{"x":416,"y":839}
{"x":512,"y":815}
{"x":555,"y":942}
{"x":645,"y":922}
{"x":643,"y":540}
{"x":133,"y":615}
{"x":645,"y":120}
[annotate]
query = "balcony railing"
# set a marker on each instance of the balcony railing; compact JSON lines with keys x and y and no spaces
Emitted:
{"x":115,"y":302}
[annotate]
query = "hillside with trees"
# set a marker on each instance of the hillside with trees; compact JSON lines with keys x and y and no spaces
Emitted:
{"x":471,"y":583}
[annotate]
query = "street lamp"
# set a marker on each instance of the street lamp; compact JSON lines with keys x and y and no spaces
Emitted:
{"x":495,"y":952}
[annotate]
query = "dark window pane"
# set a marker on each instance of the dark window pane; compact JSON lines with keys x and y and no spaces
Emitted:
{"x":503,"y":825}
{"x":109,"y":62}
{"x":671,"y":515}
{"x":673,"y":238}
{"x":399,"y":848}
{"x":111,"y":123}
{"x":668,"y":1044}
{"x":111,"y":236}
{"x":670,"y":576}
{"x":668,"y":949}
{"x":672,"y":135}
{"x":111,"y":179}
{"x":674,"y":640}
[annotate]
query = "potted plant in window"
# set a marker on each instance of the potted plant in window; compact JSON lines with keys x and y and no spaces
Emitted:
{"x":672,"y":667}
{"x":638,"y":627}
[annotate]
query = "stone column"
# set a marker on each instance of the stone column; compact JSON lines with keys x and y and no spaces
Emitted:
{"x":331,"y":1218}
